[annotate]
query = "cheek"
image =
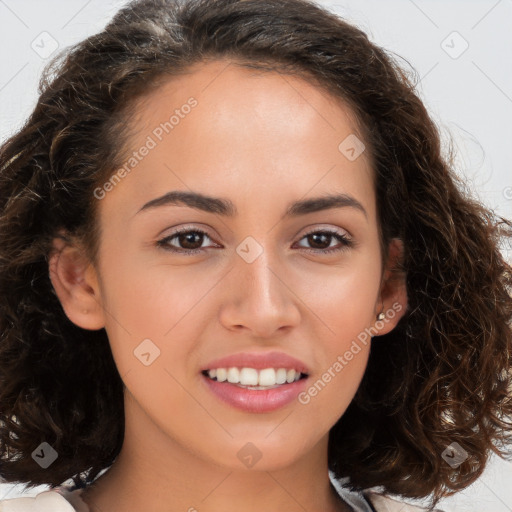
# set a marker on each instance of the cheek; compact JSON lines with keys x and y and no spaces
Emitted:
{"x":149,"y":311}
{"x":149,"y":297}
{"x":346,"y":309}
{"x":331,"y":390}
{"x":343,"y":299}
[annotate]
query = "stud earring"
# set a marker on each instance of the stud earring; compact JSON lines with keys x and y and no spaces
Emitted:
{"x":381,"y":316}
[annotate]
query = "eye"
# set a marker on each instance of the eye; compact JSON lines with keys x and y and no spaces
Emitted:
{"x":324,"y":238}
{"x":187,"y":236}
{"x":189,"y":241}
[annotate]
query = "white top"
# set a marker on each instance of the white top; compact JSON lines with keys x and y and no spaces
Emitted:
{"x":66,"y":498}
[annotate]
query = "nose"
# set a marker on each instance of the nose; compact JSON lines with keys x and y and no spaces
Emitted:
{"x":259,"y":299}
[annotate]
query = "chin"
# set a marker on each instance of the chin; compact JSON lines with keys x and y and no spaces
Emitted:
{"x":261,"y":453}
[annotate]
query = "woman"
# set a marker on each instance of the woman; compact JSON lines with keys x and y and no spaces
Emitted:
{"x":267,"y":368}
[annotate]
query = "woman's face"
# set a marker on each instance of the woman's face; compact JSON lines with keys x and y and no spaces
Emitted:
{"x":251,"y":144}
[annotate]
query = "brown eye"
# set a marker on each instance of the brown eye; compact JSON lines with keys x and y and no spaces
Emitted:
{"x":321,"y":241}
{"x":191,"y":238}
{"x":187,"y":241}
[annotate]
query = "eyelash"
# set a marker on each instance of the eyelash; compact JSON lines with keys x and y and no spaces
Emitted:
{"x":164,"y":242}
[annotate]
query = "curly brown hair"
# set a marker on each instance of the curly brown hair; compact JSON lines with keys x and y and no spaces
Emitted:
{"x":443,"y":375}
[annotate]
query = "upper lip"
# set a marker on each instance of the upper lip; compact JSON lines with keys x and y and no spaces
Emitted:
{"x":259,"y":361}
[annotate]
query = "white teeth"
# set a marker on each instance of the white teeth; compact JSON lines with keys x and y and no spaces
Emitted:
{"x":233,"y":375}
{"x":248,"y":377}
{"x":281,"y":376}
{"x":268,"y":377}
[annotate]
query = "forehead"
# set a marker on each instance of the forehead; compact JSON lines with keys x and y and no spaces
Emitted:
{"x":241,"y":132}
{"x":228,"y":91}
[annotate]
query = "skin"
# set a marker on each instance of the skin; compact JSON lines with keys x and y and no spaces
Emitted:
{"x":262,"y":140}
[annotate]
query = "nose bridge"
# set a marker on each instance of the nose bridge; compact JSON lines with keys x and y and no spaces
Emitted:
{"x":260,"y":298}
{"x":260,"y":279}
{"x":256,"y":269}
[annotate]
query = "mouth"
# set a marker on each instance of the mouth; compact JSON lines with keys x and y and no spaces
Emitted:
{"x":256,"y":382}
{"x":255,"y":390}
{"x":255,"y":379}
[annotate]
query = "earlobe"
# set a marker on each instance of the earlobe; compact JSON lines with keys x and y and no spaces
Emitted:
{"x":75,"y":283}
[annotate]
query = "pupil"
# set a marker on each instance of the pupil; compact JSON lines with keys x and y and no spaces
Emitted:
{"x":315,"y":235}
{"x":189,"y":239}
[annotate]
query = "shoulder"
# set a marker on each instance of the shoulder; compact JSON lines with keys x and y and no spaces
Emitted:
{"x":47,"y":501}
{"x":383,"y":503}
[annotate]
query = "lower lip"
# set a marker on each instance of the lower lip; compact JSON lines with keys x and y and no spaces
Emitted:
{"x":251,"y":400}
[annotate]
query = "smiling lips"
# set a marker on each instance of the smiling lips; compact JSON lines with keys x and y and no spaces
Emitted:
{"x":256,"y":382}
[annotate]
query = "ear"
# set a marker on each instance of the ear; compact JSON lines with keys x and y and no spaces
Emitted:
{"x":76,"y":284}
{"x":393,"y":293}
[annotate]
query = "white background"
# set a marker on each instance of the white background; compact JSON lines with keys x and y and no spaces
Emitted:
{"x":469,"y":95}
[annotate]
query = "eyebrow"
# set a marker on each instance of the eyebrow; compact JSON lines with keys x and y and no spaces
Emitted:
{"x":227,"y":208}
